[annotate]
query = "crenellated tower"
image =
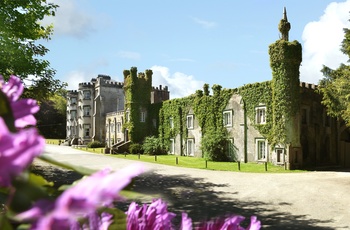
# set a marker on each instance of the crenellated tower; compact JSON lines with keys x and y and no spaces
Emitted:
{"x":285,"y":60}
{"x":137,"y":89}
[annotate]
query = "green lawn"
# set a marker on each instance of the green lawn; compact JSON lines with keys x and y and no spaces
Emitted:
{"x":192,"y":162}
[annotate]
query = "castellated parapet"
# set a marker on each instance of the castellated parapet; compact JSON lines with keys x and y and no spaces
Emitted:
{"x":159,"y":94}
{"x":308,"y":85}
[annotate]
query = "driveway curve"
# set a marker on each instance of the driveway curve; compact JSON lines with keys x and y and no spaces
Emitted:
{"x":309,"y":200}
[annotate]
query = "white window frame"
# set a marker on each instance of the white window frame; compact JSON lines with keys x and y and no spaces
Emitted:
{"x":260,"y":117}
{"x":73,"y":114}
{"x":227,"y":118}
{"x":190,"y":147}
{"x":261,"y":153}
{"x":190,"y":121}
{"x":172,"y":146}
{"x":143,"y":115}
{"x":73,"y":100}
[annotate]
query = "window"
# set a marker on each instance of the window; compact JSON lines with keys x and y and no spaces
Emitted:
{"x":154,"y":122}
{"x":119,"y":127}
{"x":87,"y":94}
{"x":261,"y":149}
{"x":171,"y":122}
{"x":127,"y":116}
{"x":143,"y":116}
{"x":260,"y":115}
{"x":227,"y":116}
{"x":73,"y":100}
{"x":280,"y":155}
{"x":112,"y":127}
{"x":73,"y":114}
{"x":190,"y":121}
{"x":86,"y":130}
{"x":190,"y":147}
{"x":86,"y":110}
{"x":172,"y":146}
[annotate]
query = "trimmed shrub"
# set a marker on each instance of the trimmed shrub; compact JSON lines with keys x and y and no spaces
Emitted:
{"x":213,"y":146}
{"x":154,"y":146}
{"x":136,"y":148}
{"x":95,"y":144}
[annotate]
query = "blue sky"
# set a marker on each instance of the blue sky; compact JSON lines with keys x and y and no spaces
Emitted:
{"x":188,"y":43}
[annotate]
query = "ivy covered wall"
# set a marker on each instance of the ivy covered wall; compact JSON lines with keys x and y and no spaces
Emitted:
{"x":285,"y":59}
{"x":137,"y":88}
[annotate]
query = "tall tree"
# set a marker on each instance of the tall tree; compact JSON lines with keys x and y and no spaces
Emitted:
{"x":334,"y":87}
{"x":20,"y":53}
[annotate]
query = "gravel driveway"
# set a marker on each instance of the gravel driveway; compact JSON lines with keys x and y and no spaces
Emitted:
{"x":310,"y":200}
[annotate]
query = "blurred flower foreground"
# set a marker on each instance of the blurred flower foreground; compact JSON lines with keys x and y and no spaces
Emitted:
{"x":28,"y":201}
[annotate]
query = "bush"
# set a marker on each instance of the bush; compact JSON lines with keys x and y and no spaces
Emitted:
{"x":136,"y":148}
{"x":95,"y":144}
{"x":154,"y":146}
{"x":213,"y":146}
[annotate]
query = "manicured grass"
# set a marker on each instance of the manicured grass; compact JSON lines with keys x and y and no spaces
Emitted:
{"x":199,"y":163}
{"x":53,"y":141}
{"x":192,"y":162}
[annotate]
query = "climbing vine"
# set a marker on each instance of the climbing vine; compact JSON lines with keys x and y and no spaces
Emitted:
{"x":285,"y":59}
{"x":137,"y":88}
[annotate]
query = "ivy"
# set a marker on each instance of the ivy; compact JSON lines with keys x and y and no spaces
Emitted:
{"x":137,"y":88}
{"x":285,"y":59}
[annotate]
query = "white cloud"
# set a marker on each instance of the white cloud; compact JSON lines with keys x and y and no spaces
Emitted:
{"x":74,"y":78}
{"x":179,"y":84}
{"x":70,"y":19}
{"x":322,"y":40}
{"x":203,"y":23}
{"x":129,"y":55}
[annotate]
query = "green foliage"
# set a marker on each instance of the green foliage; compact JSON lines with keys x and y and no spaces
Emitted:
{"x":285,"y":59}
{"x":213,"y":146}
{"x":334,"y":87}
{"x":154,"y":146}
{"x":95,"y":144}
{"x":21,"y":28}
{"x":136,"y":148}
{"x":51,"y":118}
{"x":137,"y":88}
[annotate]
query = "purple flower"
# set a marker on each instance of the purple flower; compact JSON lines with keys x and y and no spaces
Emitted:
{"x":83,"y":199}
{"x":186,"y":222}
{"x":154,"y":216}
{"x":23,"y":109}
{"x":230,"y":223}
{"x":17,"y":151}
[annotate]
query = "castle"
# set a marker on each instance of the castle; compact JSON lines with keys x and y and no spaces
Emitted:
{"x":280,"y":121}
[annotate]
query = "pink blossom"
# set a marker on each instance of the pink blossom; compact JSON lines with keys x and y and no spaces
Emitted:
{"x":154,"y":216}
{"x":17,"y":151}
{"x":229,"y":223}
{"x":23,"y":109}
{"x":83,"y":199}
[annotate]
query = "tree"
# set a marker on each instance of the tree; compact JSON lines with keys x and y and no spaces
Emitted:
{"x":20,"y":54}
{"x":334,"y":87}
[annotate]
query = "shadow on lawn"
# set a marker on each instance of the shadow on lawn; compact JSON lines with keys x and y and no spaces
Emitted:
{"x":196,"y":197}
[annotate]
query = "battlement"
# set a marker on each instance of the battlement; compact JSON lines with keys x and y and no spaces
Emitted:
{"x":86,"y":85}
{"x":105,"y":77}
{"x":72,"y":91}
{"x":308,"y":85}
{"x":160,"y":88}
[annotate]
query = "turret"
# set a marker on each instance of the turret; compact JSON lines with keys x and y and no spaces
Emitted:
{"x":285,"y":59}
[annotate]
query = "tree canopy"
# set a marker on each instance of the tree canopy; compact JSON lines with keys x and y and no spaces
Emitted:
{"x":21,"y":55}
{"x":334,"y":87}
